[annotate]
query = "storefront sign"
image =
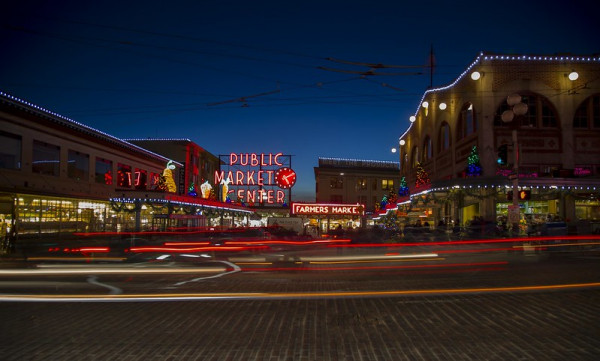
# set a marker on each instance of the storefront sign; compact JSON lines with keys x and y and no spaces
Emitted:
{"x":582,"y":171}
{"x":255,"y":178}
{"x":327,"y":209}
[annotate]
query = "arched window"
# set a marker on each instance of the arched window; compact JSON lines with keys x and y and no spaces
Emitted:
{"x":427,"y":149}
{"x":444,"y":137}
{"x":414,"y":157}
{"x":467,"y":123}
{"x":588,"y":114}
{"x":540,"y":113}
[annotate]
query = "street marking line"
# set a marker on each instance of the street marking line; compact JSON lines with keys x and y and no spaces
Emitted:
{"x":113,"y":290}
{"x":234,"y":267}
{"x":87,"y":271}
{"x":283,"y":295}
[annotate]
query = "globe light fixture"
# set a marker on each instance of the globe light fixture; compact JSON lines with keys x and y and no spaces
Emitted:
{"x":573,"y":76}
{"x":402,"y":142}
{"x":520,"y":108}
{"x":393,"y":150}
{"x":443,"y":106}
{"x":425,"y":104}
{"x":475,"y":75}
{"x":513,"y":99}
{"x":508,"y":116}
{"x":412,"y":118}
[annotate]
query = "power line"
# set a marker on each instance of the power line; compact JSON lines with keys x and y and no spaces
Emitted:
{"x":184,"y":37}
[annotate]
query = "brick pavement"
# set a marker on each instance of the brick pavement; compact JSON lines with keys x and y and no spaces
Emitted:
{"x":555,"y":325}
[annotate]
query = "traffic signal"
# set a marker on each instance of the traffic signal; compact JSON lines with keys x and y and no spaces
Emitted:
{"x":524,"y":195}
{"x":503,"y":154}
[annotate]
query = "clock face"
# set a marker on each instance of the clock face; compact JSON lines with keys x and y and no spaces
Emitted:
{"x":285,"y":178}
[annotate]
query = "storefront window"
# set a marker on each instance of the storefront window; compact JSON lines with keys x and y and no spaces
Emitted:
{"x":154,"y":181}
{"x":39,"y":216}
{"x":46,"y":158}
{"x":427,"y":149}
{"x":588,"y":113}
{"x":104,"y":171}
{"x":140,"y":179}
{"x":540,"y":113}
{"x":10,"y":151}
{"x":387,"y":184}
{"x":466,"y":122}
{"x":414,"y":157}
{"x":336,"y":183}
{"x":78,"y":165}
{"x":124,"y":175}
{"x":361,"y":183}
{"x":588,"y":210}
{"x":444,"y":138}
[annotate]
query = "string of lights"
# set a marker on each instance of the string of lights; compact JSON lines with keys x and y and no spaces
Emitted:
{"x":79,"y":126}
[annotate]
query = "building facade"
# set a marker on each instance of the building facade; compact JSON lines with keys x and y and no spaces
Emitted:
{"x":199,"y":164}
{"x":352,"y":181}
{"x":530,"y":123}
{"x":59,"y":177}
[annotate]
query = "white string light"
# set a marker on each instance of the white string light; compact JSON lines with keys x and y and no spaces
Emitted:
{"x":83,"y":127}
{"x":482,"y":56}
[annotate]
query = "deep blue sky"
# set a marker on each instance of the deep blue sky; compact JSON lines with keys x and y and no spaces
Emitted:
{"x":154,"y":69}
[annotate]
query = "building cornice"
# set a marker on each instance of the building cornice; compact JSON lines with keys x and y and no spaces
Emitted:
{"x":63,"y":121}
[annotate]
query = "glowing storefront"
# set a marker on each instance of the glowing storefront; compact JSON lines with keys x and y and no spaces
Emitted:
{"x":59,"y":177}
{"x":465,"y":138}
{"x":327,"y":217}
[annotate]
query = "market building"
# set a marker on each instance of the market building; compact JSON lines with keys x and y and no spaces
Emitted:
{"x":199,"y":164}
{"x":59,"y":177}
{"x":528,"y":123}
{"x":354,"y":181}
{"x":329,"y":218}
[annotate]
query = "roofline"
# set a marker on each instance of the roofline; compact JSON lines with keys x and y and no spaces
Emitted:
{"x":62,"y":120}
{"x":509,"y":57}
{"x":158,"y":139}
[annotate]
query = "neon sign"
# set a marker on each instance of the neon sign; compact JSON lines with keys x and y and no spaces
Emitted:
{"x":582,"y":171}
{"x":255,"y":160}
{"x":327,"y":209}
{"x":256,"y":177}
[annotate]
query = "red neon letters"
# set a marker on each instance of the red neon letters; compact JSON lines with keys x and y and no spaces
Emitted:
{"x":255,"y":160}
{"x":325,"y":209}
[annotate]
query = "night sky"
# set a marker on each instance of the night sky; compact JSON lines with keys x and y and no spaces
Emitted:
{"x":266,"y":76}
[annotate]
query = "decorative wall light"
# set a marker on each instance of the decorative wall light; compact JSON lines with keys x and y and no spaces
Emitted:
{"x":476,"y":75}
{"x":573,"y":75}
{"x":412,"y":118}
{"x":443,"y":106}
{"x":402,"y":142}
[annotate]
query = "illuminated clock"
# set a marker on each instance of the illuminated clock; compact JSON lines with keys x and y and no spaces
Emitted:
{"x":285,"y":178}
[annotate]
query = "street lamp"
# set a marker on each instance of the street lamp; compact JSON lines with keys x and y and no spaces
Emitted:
{"x":518,"y":108}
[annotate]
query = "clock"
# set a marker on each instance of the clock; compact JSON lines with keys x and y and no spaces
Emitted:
{"x":285,"y":178}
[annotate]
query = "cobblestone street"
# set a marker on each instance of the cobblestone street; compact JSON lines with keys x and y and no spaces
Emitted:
{"x":563,"y":325}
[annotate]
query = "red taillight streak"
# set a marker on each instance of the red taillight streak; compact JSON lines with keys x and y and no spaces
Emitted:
{"x":298,"y":243}
{"x":94,"y":249}
{"x":187,"y":243}
{"x":477,"y":241}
